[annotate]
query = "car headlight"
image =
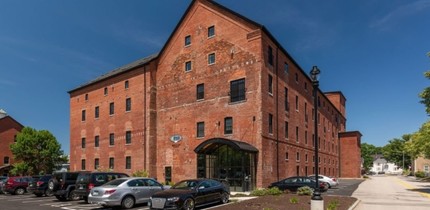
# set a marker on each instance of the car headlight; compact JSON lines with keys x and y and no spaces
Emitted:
{"x":173,"y":199}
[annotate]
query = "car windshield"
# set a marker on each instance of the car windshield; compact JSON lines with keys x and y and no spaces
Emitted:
{"x":115,"y":182}
{"x":187,"y":184}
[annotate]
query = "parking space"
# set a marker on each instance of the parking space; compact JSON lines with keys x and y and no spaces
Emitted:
{"x":30,"y":201}
{"x":346,"y":187}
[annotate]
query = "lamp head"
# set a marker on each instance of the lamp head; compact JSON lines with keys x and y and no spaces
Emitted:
{"x":314,"y":74}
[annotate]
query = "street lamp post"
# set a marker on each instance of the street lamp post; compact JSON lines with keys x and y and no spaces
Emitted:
{"x":317,"y":202}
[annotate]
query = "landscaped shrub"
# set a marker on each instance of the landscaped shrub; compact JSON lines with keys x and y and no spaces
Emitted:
{"x":305,"y":190}
{"x":140,"y":173}
{"x":269,"y":191}
{"x":294,"y":200}
{"x":332,"y":205}
{"x":420,"y":174}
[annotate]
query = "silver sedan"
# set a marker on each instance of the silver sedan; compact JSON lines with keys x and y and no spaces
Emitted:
{"x":125,"y":192}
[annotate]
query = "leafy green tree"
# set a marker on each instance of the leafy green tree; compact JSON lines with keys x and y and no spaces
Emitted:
{"x":420,"y":142}
{"x":425,"y":94}
{"x":36,"y":152}
{"x":367,"y":152}
{"x":395,"y":151}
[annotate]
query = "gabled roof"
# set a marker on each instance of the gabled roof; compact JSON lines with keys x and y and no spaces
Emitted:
{"x":13,"y":120}
{"x":120,"y":70}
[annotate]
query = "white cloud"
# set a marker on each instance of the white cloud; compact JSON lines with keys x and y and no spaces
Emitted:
{"x":399,"y":13}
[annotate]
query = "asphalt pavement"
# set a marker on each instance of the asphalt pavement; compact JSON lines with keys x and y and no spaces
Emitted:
{"x":384,"y":192}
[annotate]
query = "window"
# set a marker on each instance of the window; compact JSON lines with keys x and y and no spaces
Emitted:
{"x":86,"y":97}
{"x":128,"y":162}
{"x":297,"y":77}
{"x":128,"y":137}
{"x":126,"y":84}
{"x":200,"y":91}
{"x":237,"y":90}
{"x":270,"y":84}
{"x":270,"y":55}
{"x":188,"y":66}
{"x":106,"y":91}
{"x":286,"y":104}
{"x":286,"y":68}
{"x":270,"y":124}
{"x":83,"y":142}
{"x":211,"y":58}
{"x":6,"y":160}
{"x":426,"y":168}
{"x":128,"y":104}
{"x":111,"y":139}
{"x":297,"y":103}
{"x":298,"y":156}
{"x":228,"y":125}
{"x":96,"y":163}
{"x":306,"y":137}
{"x":96,"y":141}
{"x":286,"y":156}
{"x":111,"y":163}
{"x":111,"y":108}
{"x":297,"y":134}
{"x":188,"y":40}
{"x":83,"y":115}
{"x":200,"y":129}
{"x":306,"y":157}
{"x":83,"y":164}
{"x":96,"y":112}
{"x":211,"y":31}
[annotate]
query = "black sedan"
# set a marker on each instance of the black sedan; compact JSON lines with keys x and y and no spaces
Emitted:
{"x":295,"y":182}
{"x":189,"y":194}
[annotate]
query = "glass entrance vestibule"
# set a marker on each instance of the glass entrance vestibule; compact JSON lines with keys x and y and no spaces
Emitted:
{"x":228,"y":161}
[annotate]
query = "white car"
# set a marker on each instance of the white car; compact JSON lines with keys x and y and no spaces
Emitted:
{"x":332,"y":182}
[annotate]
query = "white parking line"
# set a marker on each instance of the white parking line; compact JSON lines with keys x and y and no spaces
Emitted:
{"x":38,"y":200}
{"x":56,"y":203}
{"x":20,"y":199}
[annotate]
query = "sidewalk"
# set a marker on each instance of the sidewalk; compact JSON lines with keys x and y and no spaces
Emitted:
{"x":392,"y":192}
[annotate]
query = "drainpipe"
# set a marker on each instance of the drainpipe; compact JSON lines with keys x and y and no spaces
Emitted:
{"x":144,"y":119}
{"x":277,"y":114}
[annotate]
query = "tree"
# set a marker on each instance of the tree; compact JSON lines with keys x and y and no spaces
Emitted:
{"x":36,"y":152}
{"x":395,"y":151}
{"x":420,"y":142}
{"x":425,"y":94}
{"x":367,"y":153}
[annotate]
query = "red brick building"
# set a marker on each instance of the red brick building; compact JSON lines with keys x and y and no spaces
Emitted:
{"x":222,"y":99}
{"x":9,"y":128}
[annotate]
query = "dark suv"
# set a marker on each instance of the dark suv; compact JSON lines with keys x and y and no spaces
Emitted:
{"x":62,"y":185}
{"x":39,"y":186}
{"x":87,"y":180}
{"x":17,"y":185}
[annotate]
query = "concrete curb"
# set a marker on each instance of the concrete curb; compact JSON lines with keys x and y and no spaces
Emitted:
{"x":354,"y":205}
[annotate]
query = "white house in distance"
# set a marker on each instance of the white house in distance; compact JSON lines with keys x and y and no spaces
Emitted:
{"x":382,"y":166}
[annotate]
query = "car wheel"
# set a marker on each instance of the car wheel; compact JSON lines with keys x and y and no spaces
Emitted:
{"x":127,"y":202}
{"x":85,"y":199}
{"x":60,"y":198}
{"x":225,"y":197}
{"x":19,"y":191}
{"x":52,"y":184}
{"x":73,"y":196}
{"x":48,"y":192}
{"x":188,"y":204}
{"x":38,"y":195}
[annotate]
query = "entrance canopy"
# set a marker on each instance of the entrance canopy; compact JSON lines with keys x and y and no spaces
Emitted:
{"x":211,"y":145}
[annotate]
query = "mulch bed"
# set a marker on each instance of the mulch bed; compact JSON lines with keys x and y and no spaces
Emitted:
{"x":286,"y":202}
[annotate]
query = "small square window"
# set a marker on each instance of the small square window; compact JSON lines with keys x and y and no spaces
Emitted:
{"x":211,"y":58}
{"x":106,"y":91}
{"x":188,"y":66}
{"x":228,"y":125}
{"x":126,"y":84}
{"x":211,"y":31}
{"x":188,"y":40}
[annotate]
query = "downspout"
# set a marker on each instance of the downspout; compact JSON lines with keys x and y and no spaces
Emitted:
{"x":144,"y":119}
{"x":277,"y":115}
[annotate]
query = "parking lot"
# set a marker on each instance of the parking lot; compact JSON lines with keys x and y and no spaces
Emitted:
{"x":30,"y":201}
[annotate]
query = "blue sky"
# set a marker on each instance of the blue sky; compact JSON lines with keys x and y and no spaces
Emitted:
{"x":374,"y":51}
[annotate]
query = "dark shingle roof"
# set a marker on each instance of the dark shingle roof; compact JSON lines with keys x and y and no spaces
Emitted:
{"x":119,"y":70}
